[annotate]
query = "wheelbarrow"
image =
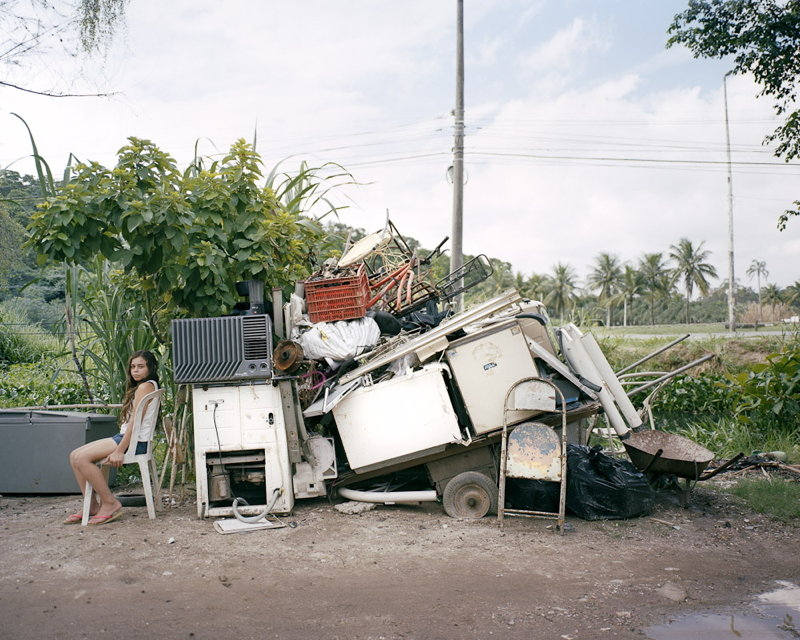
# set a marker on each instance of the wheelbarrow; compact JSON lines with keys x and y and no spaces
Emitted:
{"x":668,"y":458}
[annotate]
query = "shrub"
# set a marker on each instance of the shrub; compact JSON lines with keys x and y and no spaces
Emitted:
{"x":21,"y":341}
{"x":770,"y":393}
{"x":707,"y":394}
{"x":35,"y":384}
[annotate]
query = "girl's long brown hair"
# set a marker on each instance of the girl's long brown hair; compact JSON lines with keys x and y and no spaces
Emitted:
{"x":130,"y":388}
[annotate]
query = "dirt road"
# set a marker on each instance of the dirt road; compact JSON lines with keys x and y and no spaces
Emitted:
{"x":393,"y":572}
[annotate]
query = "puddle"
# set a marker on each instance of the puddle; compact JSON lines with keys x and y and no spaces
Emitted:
{"x":771,"y":616}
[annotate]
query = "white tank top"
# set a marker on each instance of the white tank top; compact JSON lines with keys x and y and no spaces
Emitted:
{"x":148,"y":419}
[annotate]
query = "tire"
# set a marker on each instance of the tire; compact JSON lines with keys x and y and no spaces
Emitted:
{"x":470,"y":495}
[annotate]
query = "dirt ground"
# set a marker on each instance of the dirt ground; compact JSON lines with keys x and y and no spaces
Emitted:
{"x":392,"y":572}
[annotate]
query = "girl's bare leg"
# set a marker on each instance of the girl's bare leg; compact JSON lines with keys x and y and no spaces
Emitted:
{"x":83,"y":461}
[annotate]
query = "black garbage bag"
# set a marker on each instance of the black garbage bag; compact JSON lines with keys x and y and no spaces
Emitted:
{"x":532,"y":495}
{"x":600,"y":487}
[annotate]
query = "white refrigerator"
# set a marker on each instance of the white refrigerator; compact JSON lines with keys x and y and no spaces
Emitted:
{"x":485,"y":365}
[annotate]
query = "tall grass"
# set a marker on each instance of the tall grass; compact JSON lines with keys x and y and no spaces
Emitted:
{"x":113,"y":325}
{"x":726,"y":436}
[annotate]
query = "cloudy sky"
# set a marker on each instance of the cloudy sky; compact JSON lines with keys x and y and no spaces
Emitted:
{"x":583,"y":133}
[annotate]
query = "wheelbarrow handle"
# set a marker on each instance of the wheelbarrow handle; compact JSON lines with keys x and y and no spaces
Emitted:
{"x":721,"y":467}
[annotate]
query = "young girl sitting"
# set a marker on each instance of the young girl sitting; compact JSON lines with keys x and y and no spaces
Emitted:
{"x":142,"y":379}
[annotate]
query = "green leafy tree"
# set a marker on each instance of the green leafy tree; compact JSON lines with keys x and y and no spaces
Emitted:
{"x":758,"y":268}
{"x":11,"y":237}
{"x":605,"y":279}
{"x":561,"y":288}
{"x":502,"y":277}
{"x":691,"y":268}
{"x":763,"y":36}
{"x":188,"y":237}
{"x":18,"y":197}
{"x":533,"y":287}
{"x":536,"y":286}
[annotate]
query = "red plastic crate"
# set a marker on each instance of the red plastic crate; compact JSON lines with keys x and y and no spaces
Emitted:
{"x":338,"y":298}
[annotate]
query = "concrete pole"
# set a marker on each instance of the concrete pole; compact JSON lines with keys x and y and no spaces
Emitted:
{"x":457,"y":232}
{"x":731,"y":279}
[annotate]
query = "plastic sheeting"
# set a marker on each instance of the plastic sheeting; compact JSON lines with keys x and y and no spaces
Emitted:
{"x":600,"y":487}
{"x":339,"y":341}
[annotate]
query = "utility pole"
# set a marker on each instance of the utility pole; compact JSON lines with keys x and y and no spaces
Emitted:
{"x":731,"y":286}
{"x":456,"y":247}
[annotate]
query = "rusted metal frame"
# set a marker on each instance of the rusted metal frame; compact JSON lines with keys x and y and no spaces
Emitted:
{"x":671,"y":374}
{"x":421,"y":293}
{"x":560,"y":516}
{"x":524,"y":513}
{"x":398,"y":278}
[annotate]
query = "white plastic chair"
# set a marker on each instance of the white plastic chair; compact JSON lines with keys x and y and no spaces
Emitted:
{"x":146,"y":462}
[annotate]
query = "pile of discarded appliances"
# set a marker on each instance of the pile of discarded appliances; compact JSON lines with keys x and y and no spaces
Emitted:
{"x":376,"y":394}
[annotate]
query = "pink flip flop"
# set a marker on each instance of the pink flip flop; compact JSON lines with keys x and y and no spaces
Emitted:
{"x":75,"y":518}
{"x":95,"y":520}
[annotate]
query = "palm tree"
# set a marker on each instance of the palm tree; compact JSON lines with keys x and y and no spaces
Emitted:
{"x":773,"y":297}
{"x":631,"y":285}
{"x":758,"y":268}
{"x":534,"y":287}
{"x":605,"y":279}
{"x":656,"y":280}
{"x":690,"y":266}
{"x":561,"y":288}
{"x":792,"y":293}
{"x":520,"y":284}
{"x":502,"y":277}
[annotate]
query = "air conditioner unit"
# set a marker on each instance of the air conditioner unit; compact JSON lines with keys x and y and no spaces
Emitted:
{"x":222,"y":349}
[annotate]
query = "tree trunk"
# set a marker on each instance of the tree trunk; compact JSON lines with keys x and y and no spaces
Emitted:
{"x":758,"y":281}
{"x":625,"y":312}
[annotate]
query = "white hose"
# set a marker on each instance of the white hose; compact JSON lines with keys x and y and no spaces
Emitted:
{"x":389,"y":497}
{"x":249,"y":519}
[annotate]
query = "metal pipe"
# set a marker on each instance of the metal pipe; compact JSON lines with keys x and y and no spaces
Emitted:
{"x":652,"y":355}
{"x":625,"y":379}
{"x":389,"y":497}
{"x":731,"y":279}
{"x":671,"y":374}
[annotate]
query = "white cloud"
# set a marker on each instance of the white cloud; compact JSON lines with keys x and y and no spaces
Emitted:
{"x":566,"y":48}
